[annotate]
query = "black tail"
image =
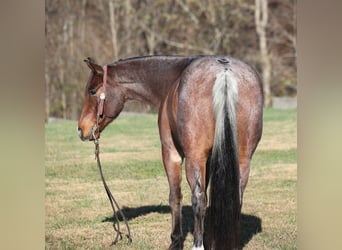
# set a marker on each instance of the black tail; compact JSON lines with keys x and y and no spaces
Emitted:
{"x":224,"y":204}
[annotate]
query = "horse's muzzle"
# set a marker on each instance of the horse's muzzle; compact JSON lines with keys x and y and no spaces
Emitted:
{"x":79,"y":132}
{"x":91,"y":136}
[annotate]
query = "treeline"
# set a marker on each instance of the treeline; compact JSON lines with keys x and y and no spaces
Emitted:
{"x":261,"y":32}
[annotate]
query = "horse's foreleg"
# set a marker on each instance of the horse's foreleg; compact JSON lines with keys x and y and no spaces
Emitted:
{"x":172,"y":163}
{"x":195,"y":173}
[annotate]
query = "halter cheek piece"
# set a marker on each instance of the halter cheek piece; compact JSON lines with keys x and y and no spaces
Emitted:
{"x":100,"y":105}
{"x":103,"y":94}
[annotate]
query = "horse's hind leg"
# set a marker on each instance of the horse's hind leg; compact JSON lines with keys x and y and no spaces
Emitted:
{"x":195,"y":174}
{"x":173,"y":167}
{"x":172,"y":163}
{"x":248,"y":141}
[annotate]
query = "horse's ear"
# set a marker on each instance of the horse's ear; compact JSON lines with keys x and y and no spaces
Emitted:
{"x":97,"y":69}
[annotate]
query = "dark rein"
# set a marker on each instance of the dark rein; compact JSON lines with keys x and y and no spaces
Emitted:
{"x":113,"y":202}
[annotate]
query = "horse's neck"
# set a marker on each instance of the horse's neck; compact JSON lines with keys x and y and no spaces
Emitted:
{"x":149,"y":79}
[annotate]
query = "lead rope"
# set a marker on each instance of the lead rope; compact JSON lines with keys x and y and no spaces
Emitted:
{"x":113,"y":202}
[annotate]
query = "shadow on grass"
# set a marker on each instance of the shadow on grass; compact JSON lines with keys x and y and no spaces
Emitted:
{"x":250,"y":224}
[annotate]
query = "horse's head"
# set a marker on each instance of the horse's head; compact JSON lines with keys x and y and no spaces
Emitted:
{"x":91,"y":123}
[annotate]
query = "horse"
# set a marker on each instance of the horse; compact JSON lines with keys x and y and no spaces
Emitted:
{"x":210,"y":115}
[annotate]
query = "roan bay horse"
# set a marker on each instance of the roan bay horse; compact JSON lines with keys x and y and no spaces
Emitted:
{"x":210,"y":114}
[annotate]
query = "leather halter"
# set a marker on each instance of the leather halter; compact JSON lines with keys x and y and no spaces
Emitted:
{"x":103,"y":94}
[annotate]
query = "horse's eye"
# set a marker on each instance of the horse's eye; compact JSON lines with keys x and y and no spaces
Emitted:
{"x":92,"y":91}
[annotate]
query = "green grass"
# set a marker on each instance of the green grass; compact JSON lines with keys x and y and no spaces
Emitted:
{"x":77,"y":206}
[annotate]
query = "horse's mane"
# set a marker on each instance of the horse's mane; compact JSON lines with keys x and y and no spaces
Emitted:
{"x":135,"y":58}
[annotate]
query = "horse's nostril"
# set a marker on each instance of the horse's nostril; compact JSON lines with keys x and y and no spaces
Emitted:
{"x":79,"y":131}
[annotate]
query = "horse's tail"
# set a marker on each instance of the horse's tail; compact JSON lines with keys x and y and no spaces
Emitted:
{"x":224,"y":204}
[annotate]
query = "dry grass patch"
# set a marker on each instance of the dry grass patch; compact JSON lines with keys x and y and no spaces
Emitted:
{"x":78,"y":214}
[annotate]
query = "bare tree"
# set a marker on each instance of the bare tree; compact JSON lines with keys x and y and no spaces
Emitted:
{"x":261,"y":20}
{"x":82,"y":20}
{"x":113,"y":28}
{"x":47,"y":79}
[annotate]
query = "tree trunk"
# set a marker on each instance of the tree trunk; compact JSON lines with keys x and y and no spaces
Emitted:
{"x":151,"y":42}
{"x":83,"y":21}
{"x":61,"y":71}
{"x":64,"y":105}
{"x":74,"y":115}
{"x":261,"y":19}
{"x":113,"y":28}
{"x":47,"y":93}
{"x":127,"y":23}
{"x":47,"y":77}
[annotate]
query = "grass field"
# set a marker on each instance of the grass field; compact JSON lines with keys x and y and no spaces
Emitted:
{"x":78,"y":214}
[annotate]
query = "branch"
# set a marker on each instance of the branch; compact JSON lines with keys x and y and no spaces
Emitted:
{"x":187,"y":10}
{"x":173,"y":43}
{"x":283,"y":31}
